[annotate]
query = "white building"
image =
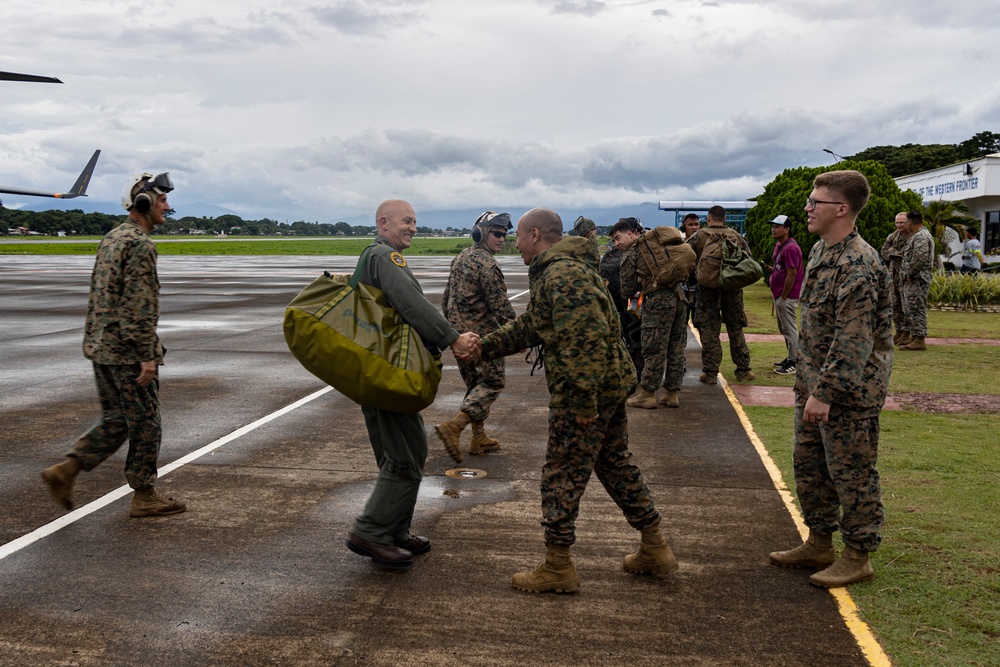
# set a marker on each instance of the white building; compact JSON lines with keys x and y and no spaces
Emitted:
{"x":976,"y":183}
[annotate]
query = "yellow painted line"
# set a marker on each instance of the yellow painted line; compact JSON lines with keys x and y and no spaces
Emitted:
{"x":863,"y":634}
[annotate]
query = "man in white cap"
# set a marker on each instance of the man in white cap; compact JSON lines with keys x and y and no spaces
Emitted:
{"x":786,"y":282}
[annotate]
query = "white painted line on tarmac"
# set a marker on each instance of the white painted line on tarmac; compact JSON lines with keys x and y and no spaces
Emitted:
{"x":14,"y":546}
{"x":520,"y":294}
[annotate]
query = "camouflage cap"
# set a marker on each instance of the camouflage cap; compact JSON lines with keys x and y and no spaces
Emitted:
{"x":584,"y":226}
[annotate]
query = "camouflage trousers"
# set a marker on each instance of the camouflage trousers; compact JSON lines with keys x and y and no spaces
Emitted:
{"x":484,"y":381}
{"x":574,"y":450}
{"x":914,"y":301}
{"x":836,"y":478}
{"x":664,"y":337}
{"x":898,"y":317}
{"x":129,"y":412}
{"x":716,"y":307}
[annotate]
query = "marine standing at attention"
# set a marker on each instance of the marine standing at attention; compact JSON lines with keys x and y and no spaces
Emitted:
{"x":842,"y":375}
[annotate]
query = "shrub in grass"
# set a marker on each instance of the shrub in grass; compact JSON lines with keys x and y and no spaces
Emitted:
{"x":965,"y":291}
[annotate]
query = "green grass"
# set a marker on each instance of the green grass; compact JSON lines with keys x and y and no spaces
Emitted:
{"x":936,"y":596}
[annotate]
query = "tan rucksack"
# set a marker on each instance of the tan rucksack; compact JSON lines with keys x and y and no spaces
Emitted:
{"x":668,"y":260}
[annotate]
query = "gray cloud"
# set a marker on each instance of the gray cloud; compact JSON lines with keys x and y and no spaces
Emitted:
{"x":581,"y":7}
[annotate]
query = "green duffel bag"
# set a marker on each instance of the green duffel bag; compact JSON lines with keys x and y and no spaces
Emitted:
{"x":346,"y":334}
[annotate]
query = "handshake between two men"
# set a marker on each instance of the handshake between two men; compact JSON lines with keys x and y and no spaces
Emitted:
{"x":468,"y":347}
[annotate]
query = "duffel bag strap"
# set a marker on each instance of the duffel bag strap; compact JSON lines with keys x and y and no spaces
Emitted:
{"x":362,"y":263}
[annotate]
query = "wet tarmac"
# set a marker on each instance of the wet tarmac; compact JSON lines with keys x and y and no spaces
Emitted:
{"x":256,"y":572}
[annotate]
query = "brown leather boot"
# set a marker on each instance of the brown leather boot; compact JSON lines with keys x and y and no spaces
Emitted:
{"x":557,"y":574}
{"x":644,"y":399}
{"x":654,"y":555}
{"x":915,"y":344}
{"x":852,"y":567}
{"x":904,"y":339}
{"x":59,"y":479}
{"x":450,"y":432}
{"x":816,"y":552}
{"x":669,"y":399}
{"x":481,"y":443}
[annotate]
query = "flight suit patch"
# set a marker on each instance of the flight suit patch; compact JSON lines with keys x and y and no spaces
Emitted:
{"x":397,"y":259}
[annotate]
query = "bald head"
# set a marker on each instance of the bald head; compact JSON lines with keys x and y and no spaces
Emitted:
{"x":537,"y":230}
{"x":396,"y":222}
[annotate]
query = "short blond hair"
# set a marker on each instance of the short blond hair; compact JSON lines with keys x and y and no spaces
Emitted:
{"x":850,"y":185}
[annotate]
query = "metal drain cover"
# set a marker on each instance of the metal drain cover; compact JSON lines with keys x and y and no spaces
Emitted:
{"x":466,"y":473}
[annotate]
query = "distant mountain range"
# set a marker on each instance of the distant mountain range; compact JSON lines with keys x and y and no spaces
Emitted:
{"x":648,"y":212}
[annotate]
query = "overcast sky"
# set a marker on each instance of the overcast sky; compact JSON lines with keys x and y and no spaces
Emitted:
{"x":310,"y":110}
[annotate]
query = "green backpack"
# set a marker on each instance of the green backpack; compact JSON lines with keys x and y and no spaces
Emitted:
{"x":724,"y":264}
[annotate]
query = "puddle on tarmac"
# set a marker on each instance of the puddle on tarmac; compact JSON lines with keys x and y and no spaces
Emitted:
{"x":465,"y":490}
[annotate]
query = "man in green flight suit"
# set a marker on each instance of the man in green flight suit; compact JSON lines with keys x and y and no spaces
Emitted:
{"x":382,"y":532}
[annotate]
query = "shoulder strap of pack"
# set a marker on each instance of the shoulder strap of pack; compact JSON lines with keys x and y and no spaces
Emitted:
{"x":362,"y":263}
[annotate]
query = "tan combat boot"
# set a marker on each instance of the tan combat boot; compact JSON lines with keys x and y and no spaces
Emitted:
{"x":815,"y":552}
{"x":896,"y":336}
{"x":904,"y":339}
{"x":147,"y":502}
{"x":481,"y":443}
{"x":850,"y":568}
{"x":59,"y":479}
{"x":644,"y":399}
{"x":708,"y":379}
{"x":654,"y":555}
{"x":669,"y":399}
{"x":915,"y":344}
{"x":556,"y":574}
{"x":450,"y":432}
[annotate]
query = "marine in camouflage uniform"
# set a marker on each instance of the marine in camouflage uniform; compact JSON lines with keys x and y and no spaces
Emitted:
{"x":475,"y":299}
{"x":842,"y":375}
{"x":717,"y":307}
{"x":589,"y":375}
{"x":845,"y":357}
{"x":892,"y":255}
{"x":120,"y":340}
{"x":916,"y":269}
{"x":664,"y":331}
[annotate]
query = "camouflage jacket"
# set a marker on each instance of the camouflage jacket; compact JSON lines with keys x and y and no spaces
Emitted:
{"x":475,"y":296}
{"x":571,"y":313}
{"x":387,"y":270}
{"x":892,"y":250}
{"x":845,"y":337}
{"x":629,"y":273}
{"x":918,"y":257}
{"x":124,"y":305}
{"x":611,"y":272}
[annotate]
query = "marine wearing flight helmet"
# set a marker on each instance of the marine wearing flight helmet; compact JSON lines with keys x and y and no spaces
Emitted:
{"x":121,"y":342}
{"x":475,"y":299}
